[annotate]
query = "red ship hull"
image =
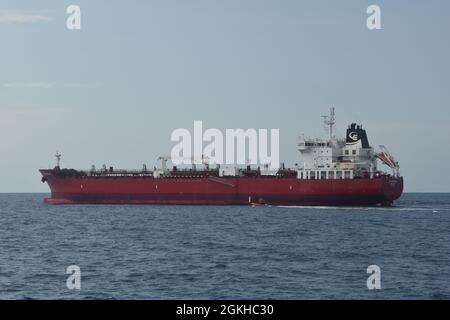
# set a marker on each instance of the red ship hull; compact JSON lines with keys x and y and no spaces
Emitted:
{"x":224,"y":191}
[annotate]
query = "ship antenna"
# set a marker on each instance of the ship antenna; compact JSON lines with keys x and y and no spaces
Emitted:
{"x":58,"y":158}
{"x":330,"y":121}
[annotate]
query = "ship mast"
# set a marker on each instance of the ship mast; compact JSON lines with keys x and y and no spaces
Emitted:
{"x":58,"y":158}
{"x":330,"y":121}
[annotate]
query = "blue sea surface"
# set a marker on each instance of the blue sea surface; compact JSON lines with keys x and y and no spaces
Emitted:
{"x":224,"y":252}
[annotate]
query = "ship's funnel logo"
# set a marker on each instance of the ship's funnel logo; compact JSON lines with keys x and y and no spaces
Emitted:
{"x":353,"y":135}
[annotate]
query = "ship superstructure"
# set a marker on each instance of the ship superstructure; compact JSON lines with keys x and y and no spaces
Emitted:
{"x":348,"y":158}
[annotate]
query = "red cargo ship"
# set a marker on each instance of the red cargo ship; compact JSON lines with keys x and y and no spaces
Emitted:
{"x":335,"y":172}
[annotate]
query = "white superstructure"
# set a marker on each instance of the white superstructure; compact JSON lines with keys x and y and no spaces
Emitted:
{"x":335,"y":158}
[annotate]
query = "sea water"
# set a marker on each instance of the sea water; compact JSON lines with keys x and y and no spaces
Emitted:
{"x":224,"y":252}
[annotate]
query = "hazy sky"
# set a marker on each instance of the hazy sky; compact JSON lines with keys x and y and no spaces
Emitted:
{"x":114,"y":91}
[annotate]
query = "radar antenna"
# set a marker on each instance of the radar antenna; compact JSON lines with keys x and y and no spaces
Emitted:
{"x":330,"y":121}
{"x":58,"y":158}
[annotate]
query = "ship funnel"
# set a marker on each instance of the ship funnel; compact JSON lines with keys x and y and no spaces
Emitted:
{"x":355,"y":134}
